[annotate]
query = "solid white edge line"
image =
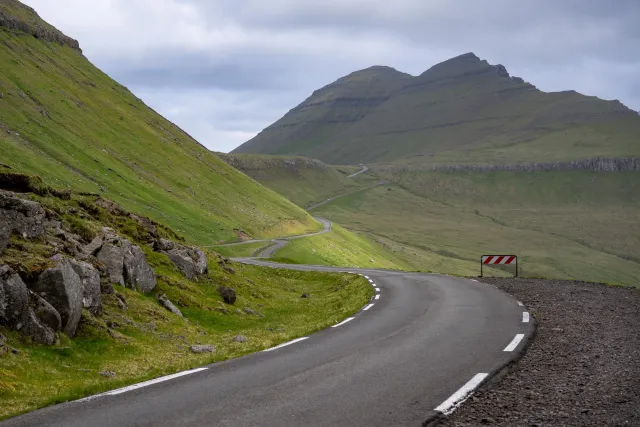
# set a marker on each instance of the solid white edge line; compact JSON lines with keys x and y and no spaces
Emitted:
{"x":514,"y":343}
{"x":525,"y":317}
{"x":343,"y":322}
{"x":463,"y":393}
{"x":377,"y":296}
{"x":140,"y":385}
{"x":368,"y":307}
{"x":284,"y":344}
{"x":520,"y":304}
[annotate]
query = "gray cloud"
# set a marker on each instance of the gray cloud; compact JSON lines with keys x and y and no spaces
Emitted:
{"x":225,"y":69}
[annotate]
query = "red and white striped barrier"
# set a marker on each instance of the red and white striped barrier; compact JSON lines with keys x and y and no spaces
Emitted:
{"x":498,"y":260}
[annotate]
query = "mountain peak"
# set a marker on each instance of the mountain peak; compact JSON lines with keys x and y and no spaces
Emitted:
{"x":16,"y":16}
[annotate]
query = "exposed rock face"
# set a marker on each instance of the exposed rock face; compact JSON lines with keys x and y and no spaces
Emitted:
{"x":190,"y":261}
{"x":62,"y":288}
{"x":90,"y":278}
{"x":112,"y":257}
{"x":164,"y":301}
{"x":45,"y":312}
{"x":24,"y":217}
{"x":16,"y":311}
{"x":227,"y":294}
{"x":37,"y":27}
{"x":138,"y":274}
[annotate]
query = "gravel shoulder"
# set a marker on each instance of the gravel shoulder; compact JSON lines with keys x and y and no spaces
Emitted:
{"x":582,"y":367}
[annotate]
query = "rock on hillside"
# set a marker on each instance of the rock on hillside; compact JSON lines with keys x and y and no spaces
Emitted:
{"x":458,"y":106}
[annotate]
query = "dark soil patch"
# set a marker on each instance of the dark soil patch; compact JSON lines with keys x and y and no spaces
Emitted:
{"x":582,"y":368}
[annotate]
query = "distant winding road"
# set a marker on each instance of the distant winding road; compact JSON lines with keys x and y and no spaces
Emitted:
{"x":410,"y":354}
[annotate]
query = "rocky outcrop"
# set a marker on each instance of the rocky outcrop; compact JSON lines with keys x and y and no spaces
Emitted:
{"x":34,"y":26}
{"x":138,"y":274}
{"x":61,"y":287}
{"x":125,"y":264}
{"x":25,"y":217}
{"x":190,"y":261}
{"x":25,"y":311}
{"x":203,"y":348}
{"x":90,"y":279}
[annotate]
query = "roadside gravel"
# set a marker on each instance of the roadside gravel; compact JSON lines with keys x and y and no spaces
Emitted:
{"x":581,"y":369}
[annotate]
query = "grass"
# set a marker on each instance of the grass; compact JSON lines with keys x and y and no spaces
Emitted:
{"x":145,"y":340}
{"x":241,"y":250}
{"x":453,"y":113}
{"x":557,"y":231}
{"x":66,"y":121}
{"x":303,"y":181}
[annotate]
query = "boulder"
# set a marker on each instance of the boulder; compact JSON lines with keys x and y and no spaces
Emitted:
{"x":45,"y":312}
{"x":305,"y":295}
{"x":5,"y":235}
{"x":190,"y":261}
{"x":93,"y":247}
{"x":203,"y":349}
{"x":227,"y":294}
{"x":240,"y":338}
{"x":61,"y":287}
{"x":90,"y":278}
{"x":164,"y":301}
{"x":111,"y":255}
{"x":25,"y":217}
{"x":138,"y":274}
{"x":17,"y":313}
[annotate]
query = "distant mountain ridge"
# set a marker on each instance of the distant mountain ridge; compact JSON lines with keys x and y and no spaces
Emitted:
{"x":463,"y":109}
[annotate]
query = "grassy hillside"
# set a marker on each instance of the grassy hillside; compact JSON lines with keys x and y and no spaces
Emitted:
{"x":303,"y":181}
{"x":65,"y":120}
{"x":462,"y":110}
{"x":562,"y":225}
{"x":135,"y":337}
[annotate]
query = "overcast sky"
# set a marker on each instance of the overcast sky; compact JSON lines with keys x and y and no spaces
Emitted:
{"x":225,"y":69}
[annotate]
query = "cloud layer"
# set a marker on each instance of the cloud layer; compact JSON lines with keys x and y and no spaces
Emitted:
{"x":225,"y":69}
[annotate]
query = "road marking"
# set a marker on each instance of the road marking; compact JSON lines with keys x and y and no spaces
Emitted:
{"x":513,"y":344}
{"x":473,"y":280}
{"x":520,"y":304}
{"x":377,"y":296}
{"x":343,"y":322}
{"x":377,"y":289}
{"x":366,"y":277}
{"x":463,"y":393}
{"x":525,"y":317}
{"x":368,"y":307}
{"x":284,"y":344}
{"x":142,"y":384}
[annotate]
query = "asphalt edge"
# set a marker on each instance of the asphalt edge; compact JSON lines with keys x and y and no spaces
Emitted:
{"x":496,"y":375}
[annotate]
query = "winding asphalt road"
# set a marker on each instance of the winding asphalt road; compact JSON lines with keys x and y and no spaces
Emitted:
{"x":393,"y":364}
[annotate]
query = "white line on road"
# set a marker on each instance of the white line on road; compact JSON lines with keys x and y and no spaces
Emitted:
{"x":286,"y":344}
{"x":513,"y":344}
{"x":457,"y":398}
{"x":368,"y":307}
{"x":520,"y":304}
{"x":366,"y":277}
{"x":525,"y":317}
{"x":142,"y":384}
{"x":377,"y":289}
{"x":377,"y":296}
{"x":343,"y":322}
{"x":473,"y":280}
{"x":370,"y":281}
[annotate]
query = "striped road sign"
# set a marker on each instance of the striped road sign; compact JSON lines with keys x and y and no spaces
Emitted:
{"x":498,"y":259}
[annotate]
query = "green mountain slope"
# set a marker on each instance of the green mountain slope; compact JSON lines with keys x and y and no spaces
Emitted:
{"x":462,"y":110}
{"x":65,"y":120}
{"x":303,"y":181}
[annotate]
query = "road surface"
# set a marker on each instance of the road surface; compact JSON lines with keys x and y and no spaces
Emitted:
{"x":424,"y":338}
{"x":364,"y":169}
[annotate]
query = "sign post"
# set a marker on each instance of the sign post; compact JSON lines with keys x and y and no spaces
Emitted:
{"x":498,"y":260}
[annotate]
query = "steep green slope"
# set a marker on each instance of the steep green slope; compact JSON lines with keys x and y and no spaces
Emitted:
{"x":65,"y":120}
{"x":563,"y":224}
{"x":463,"y":110}
{"x":303,"y":181}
